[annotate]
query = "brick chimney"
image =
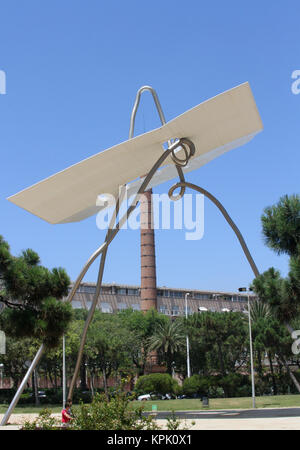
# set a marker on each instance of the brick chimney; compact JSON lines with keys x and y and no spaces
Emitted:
{"x":148,"y":265}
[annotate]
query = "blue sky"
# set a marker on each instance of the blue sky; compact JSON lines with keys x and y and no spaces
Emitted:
{"x":73,"y":69}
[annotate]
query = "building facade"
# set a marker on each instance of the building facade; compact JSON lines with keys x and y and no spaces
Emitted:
{"x":170,"y":301}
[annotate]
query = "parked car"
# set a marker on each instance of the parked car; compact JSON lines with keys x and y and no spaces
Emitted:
{"x":170,"y":397}
{"x":145,"y":397}
{"x":41,"y":394}
{"x":181,"y":397}
{"x":155,"y":396}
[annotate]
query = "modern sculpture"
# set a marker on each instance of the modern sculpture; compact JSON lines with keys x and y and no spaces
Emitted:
{"x":194,"y":138}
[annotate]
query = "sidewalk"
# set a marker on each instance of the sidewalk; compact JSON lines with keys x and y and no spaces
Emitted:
{"x":278,"y":423}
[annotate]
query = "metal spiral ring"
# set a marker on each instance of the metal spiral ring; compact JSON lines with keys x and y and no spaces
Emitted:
{"x":172,"y":197}
{"x":188,"y":148}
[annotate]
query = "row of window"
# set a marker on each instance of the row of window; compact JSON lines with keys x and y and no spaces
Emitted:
{"x":107,"y":290}
{"x":178,"y":312}
{"x":161,"y":293}
{"x":107,"y":308}
{"x":175,"y":311}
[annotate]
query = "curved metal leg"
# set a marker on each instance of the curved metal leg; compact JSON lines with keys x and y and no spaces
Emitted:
{"x":95,"y":300}
{"x":226,"y":216}
{"x":22,"y":385}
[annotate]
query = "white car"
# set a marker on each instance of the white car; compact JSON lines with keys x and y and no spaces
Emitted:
{"x":144,"y":397}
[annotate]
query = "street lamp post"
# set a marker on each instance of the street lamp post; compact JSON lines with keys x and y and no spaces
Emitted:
{"x":251,"y":348}
{"x":64,"y":371}
{"x":1,"y":375}
{"x":187,"y":341}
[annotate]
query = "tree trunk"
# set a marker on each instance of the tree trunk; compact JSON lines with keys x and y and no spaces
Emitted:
{"x":272,"y":374}
{"x":259,"y":368}
{"x":83,"y":383}
{"x":93,"y":383}
{"x":105,"y":384}
{"x":292,"y":376}
{"x":35,"y":388}
{"x":221,"y":361}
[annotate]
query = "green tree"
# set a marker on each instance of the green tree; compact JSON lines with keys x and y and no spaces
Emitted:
{"x":140,"y":327}
{"x":218,"y":343}
{"x":168,"y":339}
{"x":269,"y":338}
{"x":281,"y":231}
{"x":107,"y":347}
{"x":18,"y":351}
{"x":156,"y":383}
{"x":281,"y":226}
{"x":33,"y":297}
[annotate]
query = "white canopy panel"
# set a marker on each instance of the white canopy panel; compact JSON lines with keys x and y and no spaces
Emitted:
{"x":215,"y":126}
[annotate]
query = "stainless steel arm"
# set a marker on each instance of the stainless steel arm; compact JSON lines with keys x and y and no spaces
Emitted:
{"x":226,"y":216}
{"x":163,"y":122}
{"x":136,"y":104}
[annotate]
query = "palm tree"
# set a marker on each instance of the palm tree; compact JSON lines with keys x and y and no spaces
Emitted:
{"x":259,"y":310}
{"x":167,"y":340}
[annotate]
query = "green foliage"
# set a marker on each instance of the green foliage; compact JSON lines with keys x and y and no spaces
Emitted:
{"x":115,"y":414}
{"x":168,"y":339}
{"x":235,"y":385}
{"x":140,"y":328}
{"x":277,"y":292}
{"x":18,"y":351}
{"x":160,"y":383}
{"x":173,"y":423}
{"x":281,"y":225}
{"x":32,"y":294}
{"x":281,"y":230}
{"x":196,"y":385}
{"x":43,"y":422}
{"x":218,"y":342}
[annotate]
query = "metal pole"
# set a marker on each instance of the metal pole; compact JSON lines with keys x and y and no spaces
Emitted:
{"x":1,"y":372}
{"x":136,"y":104}
{"x":251,"y":355}
{"x":64,"y":372}
{"x":187,"y":341}
{"x":23,"y":384}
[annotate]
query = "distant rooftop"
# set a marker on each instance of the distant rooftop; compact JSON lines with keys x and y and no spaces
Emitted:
{"x":170,"y":301}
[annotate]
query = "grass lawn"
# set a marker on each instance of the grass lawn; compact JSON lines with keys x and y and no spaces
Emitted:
{"x":278,"y":401}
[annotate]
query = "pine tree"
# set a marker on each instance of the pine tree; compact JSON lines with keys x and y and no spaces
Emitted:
{"x":33,"y":297}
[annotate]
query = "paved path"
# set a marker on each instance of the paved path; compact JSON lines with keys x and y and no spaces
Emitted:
{"x":258,"y":419}
{"x":234,"y":414}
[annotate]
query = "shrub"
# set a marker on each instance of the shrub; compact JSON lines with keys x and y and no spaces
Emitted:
{"x":197,"y":385}
{"x":160,"y":383}
{"x":43,"y":422}
{"x":191,"y":385}
{"x":115,"y":414}
{"x":235,"y":385}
